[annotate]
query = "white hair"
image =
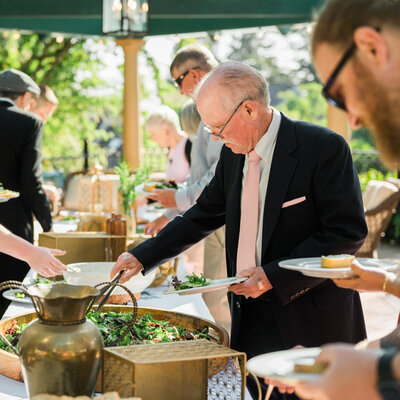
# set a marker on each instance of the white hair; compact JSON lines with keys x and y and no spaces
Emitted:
{"x":238,"y":82}
{"x":190,"y":118}
{"x":164,"y":115}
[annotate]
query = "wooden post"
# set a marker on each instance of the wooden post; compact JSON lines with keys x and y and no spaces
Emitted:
{"x":132,"y":136}
{"x":337,"y":122}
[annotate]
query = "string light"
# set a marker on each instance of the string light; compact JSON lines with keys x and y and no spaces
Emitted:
{"x":116,"y":6}
{"x":132,"y":5}
{"x":125,"y":18}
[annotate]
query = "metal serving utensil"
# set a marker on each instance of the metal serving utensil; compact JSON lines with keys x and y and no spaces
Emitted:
{"x":106,"y":291}
{"x":7,"y":342}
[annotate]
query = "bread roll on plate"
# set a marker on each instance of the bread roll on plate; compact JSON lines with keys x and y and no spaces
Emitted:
{"x":337,"y":261}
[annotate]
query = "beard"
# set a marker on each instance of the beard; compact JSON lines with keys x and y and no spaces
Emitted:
{"x":380,"y":113}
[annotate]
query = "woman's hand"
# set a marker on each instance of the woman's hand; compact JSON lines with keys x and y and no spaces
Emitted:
{"x":152,"y":228}
{"x":166,"y":197}
{"x":367,"y":279}
{"x":42,"y":260}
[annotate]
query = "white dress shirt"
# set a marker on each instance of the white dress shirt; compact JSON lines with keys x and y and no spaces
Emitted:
{"x":265,"y":149}
{"x":7,"y":100}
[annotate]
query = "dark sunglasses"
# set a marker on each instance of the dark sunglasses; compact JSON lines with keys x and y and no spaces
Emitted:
{"x":178,"y":81}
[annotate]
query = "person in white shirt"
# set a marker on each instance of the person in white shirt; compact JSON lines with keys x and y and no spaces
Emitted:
{"x":164,"y":128}
{"x":309,"y":193}
{"x":190,"y":64}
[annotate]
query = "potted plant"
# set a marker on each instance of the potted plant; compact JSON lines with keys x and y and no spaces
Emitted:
{"x":128,"y":182}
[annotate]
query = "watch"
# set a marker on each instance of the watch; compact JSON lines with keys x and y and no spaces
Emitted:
{"x":388,"y":387}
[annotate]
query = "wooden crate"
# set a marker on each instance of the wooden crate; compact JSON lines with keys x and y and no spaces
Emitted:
{"x":192,"y":370}
{"x":84,"y":246}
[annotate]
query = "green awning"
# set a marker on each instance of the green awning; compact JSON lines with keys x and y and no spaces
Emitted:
{"x":83,"y":17}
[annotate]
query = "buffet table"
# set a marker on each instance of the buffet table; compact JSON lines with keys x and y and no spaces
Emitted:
{"x":152,"y":297}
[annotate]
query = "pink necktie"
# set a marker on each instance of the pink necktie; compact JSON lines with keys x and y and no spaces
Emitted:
{"x":246,"y":255}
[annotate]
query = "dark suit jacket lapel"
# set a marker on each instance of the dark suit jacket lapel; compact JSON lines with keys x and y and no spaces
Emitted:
{"x":282,"y":168}
{"x":235,"y":192}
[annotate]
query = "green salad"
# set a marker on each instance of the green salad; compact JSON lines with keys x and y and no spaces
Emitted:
{"x":167,"y":185}
{"x":192,"y":281}
{"x":12,"y":334}
{"x":113,"y":324}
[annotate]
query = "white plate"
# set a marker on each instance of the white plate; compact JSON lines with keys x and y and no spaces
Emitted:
{"x":140,"y":188}
{"x":10,"y":295}
{"x":280,"y":364}
{"x":214,"y":285}
{"x":311,"y":266}
{"x":12,"y":195}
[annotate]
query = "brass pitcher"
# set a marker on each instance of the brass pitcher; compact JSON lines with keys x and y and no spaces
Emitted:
{"x":60,"y":352}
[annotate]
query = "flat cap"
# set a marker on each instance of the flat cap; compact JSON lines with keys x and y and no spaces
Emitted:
{"x":12,"y":80}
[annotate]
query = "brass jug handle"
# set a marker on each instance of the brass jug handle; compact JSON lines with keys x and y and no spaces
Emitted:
{"x":19,"y":285}
{"x":13,"y":285}
{"x":134,"y":312}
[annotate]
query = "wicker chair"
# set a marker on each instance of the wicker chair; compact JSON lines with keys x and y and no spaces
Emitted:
{"x":378,"y":219}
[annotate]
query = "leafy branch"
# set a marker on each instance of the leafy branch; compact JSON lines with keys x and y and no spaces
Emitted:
{"x":128,"y":182}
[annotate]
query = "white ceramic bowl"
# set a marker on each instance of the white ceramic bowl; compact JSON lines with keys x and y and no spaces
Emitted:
{"x":93,"y":273}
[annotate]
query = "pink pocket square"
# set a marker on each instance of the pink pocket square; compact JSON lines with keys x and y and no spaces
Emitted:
{"x":293,"y":202}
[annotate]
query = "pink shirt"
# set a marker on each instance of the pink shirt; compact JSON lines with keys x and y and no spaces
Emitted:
{"x":178,"y":167}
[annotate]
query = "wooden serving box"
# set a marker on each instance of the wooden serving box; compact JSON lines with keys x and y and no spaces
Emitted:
{"x":192,"y":370}
{"x":10,"y":365}
{"x":84,"y":246}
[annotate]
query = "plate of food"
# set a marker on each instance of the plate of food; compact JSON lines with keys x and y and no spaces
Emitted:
{"x":288,"y":366}
{"x":19,"y":295}
{"x":148,"y":187}
{"x":334,"y":266}
{"x":6,"y":194}
{"x":200,"y":284}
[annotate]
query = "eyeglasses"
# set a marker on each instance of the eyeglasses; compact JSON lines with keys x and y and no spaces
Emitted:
{"x":178,"y":81}
{"x":335,"y":101}
{"x":219,"y":134}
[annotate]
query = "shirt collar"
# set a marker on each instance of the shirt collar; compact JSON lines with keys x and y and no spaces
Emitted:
{"x":7,"y":100}
{"x":269,"y":137}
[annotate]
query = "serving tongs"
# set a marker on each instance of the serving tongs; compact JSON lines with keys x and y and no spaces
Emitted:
{"x":107,"y":290}
{"x":7,"y":342}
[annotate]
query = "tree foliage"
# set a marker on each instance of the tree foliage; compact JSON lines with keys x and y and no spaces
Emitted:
{"x":266,"y":48}
{"x":70,"y":66}
{"x":305,"y":102}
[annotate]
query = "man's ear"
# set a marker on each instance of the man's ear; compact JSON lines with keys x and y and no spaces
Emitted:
{"x":372,"y":45}
{"x":250,"y":109}
{"x":195,"y":74}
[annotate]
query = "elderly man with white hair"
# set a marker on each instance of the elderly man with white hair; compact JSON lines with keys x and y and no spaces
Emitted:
{"x":284,"y":189}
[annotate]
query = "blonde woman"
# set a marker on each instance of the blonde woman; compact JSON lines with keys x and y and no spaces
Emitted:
{"x":164,"y":128}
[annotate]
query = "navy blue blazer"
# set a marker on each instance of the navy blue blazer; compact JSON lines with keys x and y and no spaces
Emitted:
{"x":308,"y":161}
